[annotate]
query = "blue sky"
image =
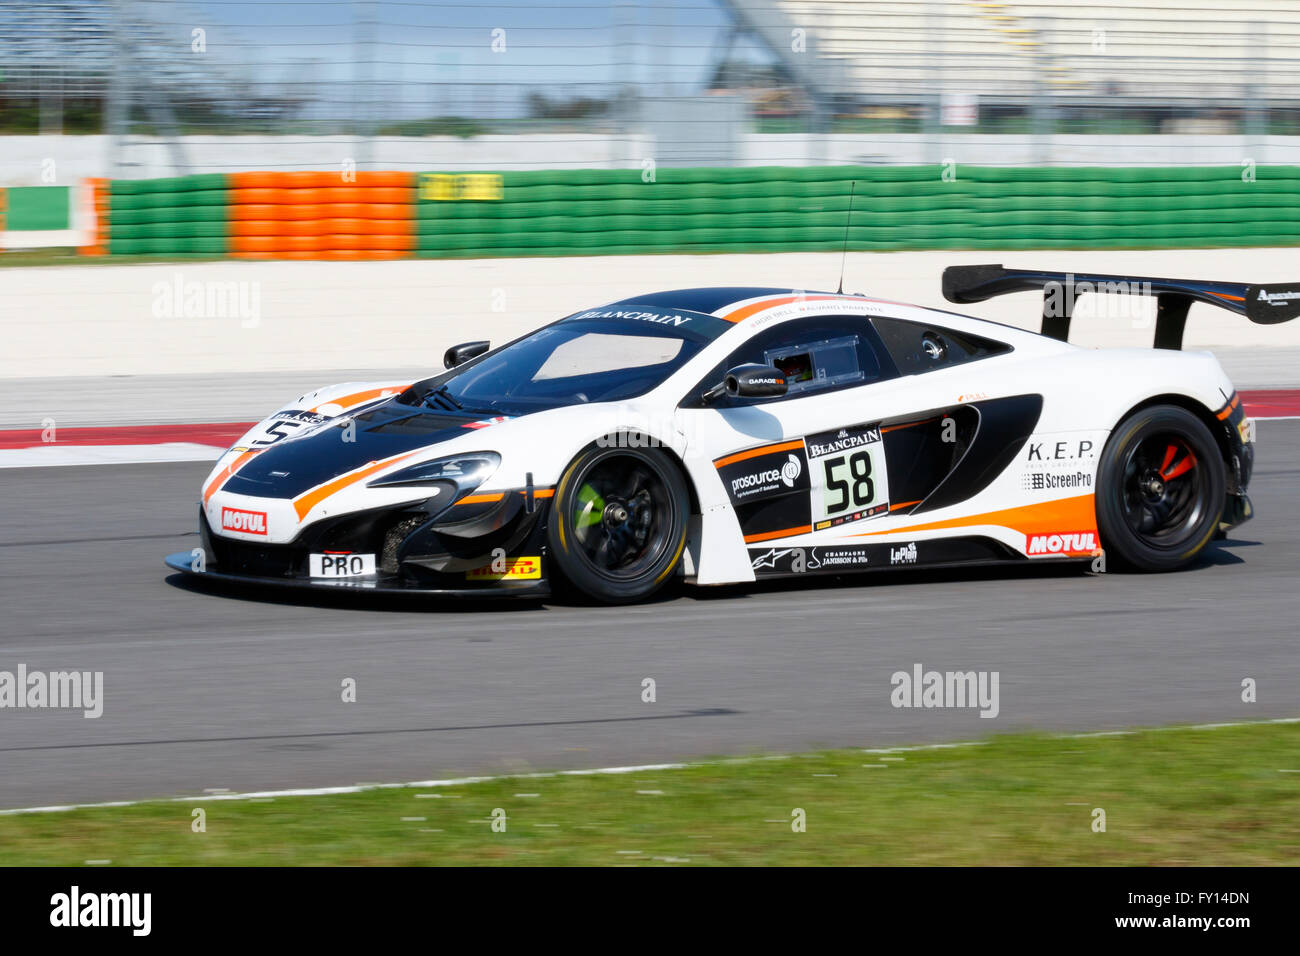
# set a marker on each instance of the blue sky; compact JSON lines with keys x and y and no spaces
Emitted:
{"x":438,"y":57}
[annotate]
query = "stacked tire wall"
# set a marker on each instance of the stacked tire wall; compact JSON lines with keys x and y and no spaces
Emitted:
{"x":308,"y":215}
{"x":178,"y":217}
{"x":752,"y":209}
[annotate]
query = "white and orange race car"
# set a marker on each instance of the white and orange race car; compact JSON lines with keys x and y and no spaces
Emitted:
{"x":728,"y":434}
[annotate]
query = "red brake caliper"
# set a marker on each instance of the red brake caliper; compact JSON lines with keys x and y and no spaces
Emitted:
{"x":1184,"y":466}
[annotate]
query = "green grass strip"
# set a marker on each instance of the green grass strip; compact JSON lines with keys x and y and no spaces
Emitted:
{"x":1178,"y":796}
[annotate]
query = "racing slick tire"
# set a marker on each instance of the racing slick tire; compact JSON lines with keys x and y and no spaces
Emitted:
{"x":1160,"y":489}
{"x":618,"y":523}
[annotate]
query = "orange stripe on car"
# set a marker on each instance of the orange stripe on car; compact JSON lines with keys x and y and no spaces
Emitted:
{"x":310,"y":499}
{"x":1230,"y":407}
{"x":215,"y":485}
{"x":753,"y":308}
{"x":900,"y":505}
{"x":745,"y":311}
{"x":481,"y":499}
{"x":356,"y":398}
{"x":1225,"y":295}
{"x":768,"y":535}
{"x":755,"y":452}
{"x":1048,"y":517}
{"x":894,"y":428}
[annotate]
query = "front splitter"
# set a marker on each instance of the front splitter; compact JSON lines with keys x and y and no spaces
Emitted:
{"x":183,"y":561}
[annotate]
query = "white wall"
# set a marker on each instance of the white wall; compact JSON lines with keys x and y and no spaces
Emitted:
{"x":102,"y":319}
{"x":22,"y":158}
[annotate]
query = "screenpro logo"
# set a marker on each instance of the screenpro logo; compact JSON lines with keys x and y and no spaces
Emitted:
{"x":245,"y":522}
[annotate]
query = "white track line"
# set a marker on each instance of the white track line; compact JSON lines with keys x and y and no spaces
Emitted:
{"x":642,"y":768}
{"x":50,"y":456}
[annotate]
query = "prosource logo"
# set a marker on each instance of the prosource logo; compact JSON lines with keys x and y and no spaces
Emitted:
{"x":248,"y":522}
{"x":787,"y":475}
{"x":790,"y":471}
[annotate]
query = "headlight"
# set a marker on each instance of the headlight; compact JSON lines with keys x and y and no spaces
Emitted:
{"x":466,"y":472}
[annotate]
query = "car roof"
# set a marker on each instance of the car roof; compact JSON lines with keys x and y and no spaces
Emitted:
{"x":736,"y":303}
{"x":709,"y":300}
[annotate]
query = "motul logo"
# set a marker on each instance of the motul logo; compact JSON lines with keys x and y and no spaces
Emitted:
{"x":1070,"y":542}
{"x":249,"y":522}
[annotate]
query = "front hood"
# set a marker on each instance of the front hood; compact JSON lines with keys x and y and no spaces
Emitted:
{"x":289,"y":468}
{"x":269,"y":494}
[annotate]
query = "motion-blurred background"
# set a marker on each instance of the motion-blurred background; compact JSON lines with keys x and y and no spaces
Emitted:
{"x":160,"y":88}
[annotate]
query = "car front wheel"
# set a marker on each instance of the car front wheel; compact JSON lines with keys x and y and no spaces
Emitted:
{"x":618,"y":525}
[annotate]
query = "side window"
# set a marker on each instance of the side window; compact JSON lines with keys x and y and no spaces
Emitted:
{"x":816,"y":354}
{"x":917,"y":347}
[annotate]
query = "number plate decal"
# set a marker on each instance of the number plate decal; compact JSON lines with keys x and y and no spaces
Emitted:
{"x":849,"y":479}
{"x":342,"y":565}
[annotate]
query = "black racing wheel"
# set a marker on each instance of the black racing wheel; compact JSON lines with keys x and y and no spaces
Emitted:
{"x":1160,"y":491}
{"x":618,"y":522}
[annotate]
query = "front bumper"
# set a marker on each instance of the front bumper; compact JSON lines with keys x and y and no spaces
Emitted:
{"x":491,"y":545}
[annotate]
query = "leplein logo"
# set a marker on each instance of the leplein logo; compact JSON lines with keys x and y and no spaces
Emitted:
{"x":904,"y":555}
{"x":249,"y":522}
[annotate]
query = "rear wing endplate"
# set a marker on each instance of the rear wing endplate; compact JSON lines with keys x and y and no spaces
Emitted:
{"x":1264,"y":304}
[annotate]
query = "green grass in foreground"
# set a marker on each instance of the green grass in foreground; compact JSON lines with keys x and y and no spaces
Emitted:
{"x":68,"y":256}
{"x":1180,"y":796}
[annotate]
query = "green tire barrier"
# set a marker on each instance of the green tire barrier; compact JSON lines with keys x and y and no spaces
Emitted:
{"x":760,"y":209}
{"x":181,"y":217}
{"x":777,"y":209}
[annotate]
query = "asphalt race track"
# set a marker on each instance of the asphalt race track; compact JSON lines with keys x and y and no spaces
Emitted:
{"x":203,"y":690}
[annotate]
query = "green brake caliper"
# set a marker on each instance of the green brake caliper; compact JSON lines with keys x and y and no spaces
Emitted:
{"x":591,"y":507}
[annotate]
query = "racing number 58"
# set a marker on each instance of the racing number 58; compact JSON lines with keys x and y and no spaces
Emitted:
{"x":858,"y":488}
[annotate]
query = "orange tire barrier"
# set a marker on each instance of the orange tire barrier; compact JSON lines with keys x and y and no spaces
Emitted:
{"x":314,"y":179}
{"x":98,"y":245}
{"x":322,"y":215}
{"x":325,"y":243}
{"x":333,"y":194}
{"x":349,"y":255}
{"x":311,"y":227}
{"x":332,"y":210}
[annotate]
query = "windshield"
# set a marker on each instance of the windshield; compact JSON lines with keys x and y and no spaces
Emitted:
{"x":574,"y":361}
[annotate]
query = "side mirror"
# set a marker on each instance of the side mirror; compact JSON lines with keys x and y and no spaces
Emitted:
{"x":460,"y":354}
{"x":750,"y":381}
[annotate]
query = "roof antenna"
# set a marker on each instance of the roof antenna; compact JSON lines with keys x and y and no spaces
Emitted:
{"x":845,"y":256}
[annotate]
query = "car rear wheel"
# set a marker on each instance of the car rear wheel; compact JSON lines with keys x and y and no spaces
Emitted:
{"x":618,"y":525}
{"x":1161,"y":489}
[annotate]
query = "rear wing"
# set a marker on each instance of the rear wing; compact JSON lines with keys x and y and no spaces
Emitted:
{"x":1264,"y":304}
